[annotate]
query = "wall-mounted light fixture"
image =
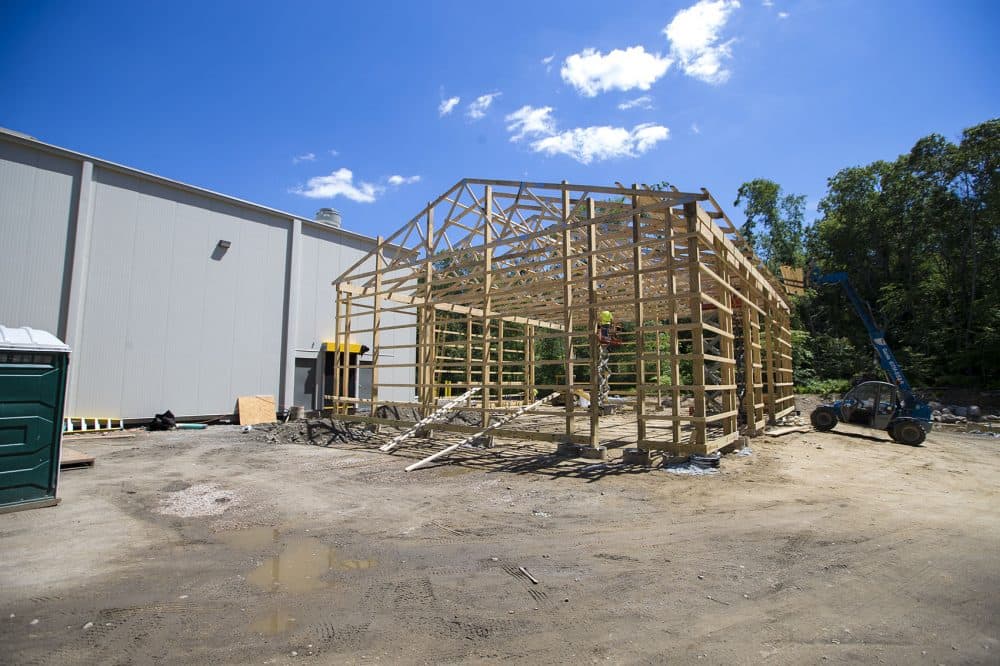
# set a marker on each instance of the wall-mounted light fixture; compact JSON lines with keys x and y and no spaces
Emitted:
{"x":224,"y":244}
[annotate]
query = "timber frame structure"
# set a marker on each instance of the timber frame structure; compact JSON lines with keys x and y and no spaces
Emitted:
{"x":503,"y":282}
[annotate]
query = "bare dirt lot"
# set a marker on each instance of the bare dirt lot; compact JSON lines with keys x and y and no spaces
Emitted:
{"x":220,"y":546}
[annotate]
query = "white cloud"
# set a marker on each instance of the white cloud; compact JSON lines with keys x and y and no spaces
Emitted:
{"x":448,"y":105}
{"x":308,"y":157}
{"x":583,"y":144}
{"x":339,"y":183}
{"x":783,"y":15}
{"x":334,"y":152}
{"x":768,"y":3}
{"x":548,"y":59}
{"x":694,"y":39}
{"x":481,"y":105}
{"x":592,"y":72}
{"x":403,"y":180}
{"x":530,"y":121}
{"x":586,"y":144}
{"x":695,"y":128}
{"x":648,"y":135}
{"x":644,"y":102}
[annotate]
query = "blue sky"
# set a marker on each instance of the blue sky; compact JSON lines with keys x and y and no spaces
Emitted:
{"x":300,"y":105}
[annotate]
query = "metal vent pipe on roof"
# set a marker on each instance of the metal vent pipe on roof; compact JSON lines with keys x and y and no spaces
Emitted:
{"x":329,"y":216}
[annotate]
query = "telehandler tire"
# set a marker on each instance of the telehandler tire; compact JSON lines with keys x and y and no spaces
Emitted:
{"x":823,"y":418}
{"x":908,"y":432}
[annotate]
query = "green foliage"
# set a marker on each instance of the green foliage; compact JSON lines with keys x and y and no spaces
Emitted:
{"x":920,"y":239}
{"x":803,"y":358}
{"x":824,"y":386}
{"x":549,"y":349}
{"x":774,"y":222}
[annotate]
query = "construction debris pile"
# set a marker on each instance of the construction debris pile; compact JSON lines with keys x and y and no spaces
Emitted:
{"x":958,"y":413}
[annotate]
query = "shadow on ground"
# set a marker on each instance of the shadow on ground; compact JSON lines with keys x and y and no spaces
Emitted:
{"x":518,"y":457}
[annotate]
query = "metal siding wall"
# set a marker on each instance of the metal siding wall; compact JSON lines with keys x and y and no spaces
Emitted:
{"x":257,"y":351}
{"x":37,"y":212}
{"x":323,"y":260}
{"x":325,"y":256}
{"x":166,"y":325}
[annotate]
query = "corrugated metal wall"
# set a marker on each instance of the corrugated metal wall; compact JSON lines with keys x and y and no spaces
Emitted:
{"x":37,"y":204}
{"x":321,"y":263}
{"x":176,"y":316}
{"x":163,"y":317}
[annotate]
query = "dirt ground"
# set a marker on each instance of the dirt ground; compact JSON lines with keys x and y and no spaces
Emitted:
{"x":226,"y":547}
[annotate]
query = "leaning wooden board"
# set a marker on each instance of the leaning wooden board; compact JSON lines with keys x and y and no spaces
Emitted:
{"x":778,"y":432}
{"x":255,"y":409}
{"x":72,"y":458}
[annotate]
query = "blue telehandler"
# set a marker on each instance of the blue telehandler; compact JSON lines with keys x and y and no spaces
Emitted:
{"x":889,"y":406}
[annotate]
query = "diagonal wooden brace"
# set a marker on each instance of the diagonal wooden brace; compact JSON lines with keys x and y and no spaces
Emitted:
{"x":436,"y":416}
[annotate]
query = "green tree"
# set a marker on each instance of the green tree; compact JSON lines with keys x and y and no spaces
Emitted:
{"x":774,"y":222}
{"x":920,"y":239}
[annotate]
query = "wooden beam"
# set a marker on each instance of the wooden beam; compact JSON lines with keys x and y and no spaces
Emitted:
{"x":639,"y":317}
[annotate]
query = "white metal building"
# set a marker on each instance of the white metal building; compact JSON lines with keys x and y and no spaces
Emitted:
{"x":170,"y":296}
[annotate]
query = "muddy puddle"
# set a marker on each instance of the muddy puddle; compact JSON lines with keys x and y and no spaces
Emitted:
{"x":301,"y":565}
{"x":252,"y":538}
{"x":275,"y":622}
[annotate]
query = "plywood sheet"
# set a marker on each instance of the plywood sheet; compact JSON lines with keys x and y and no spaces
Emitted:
{"x":73,"y":458}
{"x":255,"y":409}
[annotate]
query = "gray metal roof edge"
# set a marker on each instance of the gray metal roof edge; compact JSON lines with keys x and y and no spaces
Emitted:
{"x":20,"y":137}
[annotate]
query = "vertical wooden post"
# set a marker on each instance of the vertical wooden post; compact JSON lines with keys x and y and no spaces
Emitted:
{"x":769,"y":369}
{"x":659,"y":372}
{"x":784,"y":351}
{"x":345,"y":346}
{"x":427,"y":349}
{"x":639,"y":316}
{"x":500,"y":334}
{"x":376,"y":322}
{"x":337,"y":325}
{"x":697,"y":332}
{"x":758,"y":377}
{"x":675,"y":371}
{"x":749,"y":389}
{"x":529,"y":369}
{"x":727,"y":347}
{"x":487,"y":302}
{"x":468,"y":352}
{"x":567,"y":250}
{"x":592,"y":322}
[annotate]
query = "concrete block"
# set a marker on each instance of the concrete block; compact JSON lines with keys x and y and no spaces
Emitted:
{"x":594,"y":452}
{"x":568,"y":449}
{"x":484,"y":442}
{"x":637,"y":457}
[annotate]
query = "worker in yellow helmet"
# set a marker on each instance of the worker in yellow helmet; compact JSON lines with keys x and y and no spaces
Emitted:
{"x":605,"y":322}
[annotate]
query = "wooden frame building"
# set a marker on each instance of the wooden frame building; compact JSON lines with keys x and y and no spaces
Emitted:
{"x":503,"y":283}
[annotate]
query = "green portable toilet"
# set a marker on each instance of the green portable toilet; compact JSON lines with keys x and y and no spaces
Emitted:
{"x":33,"y":368}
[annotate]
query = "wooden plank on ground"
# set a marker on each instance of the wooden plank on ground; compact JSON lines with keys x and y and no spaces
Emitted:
{"x":254,"y":409}
{"x":778,"y":432}
{"x":76,"y":437}
{"x":69,"y":458}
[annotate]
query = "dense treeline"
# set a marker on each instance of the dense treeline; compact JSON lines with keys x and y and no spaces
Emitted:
{"x":919,"y":237}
